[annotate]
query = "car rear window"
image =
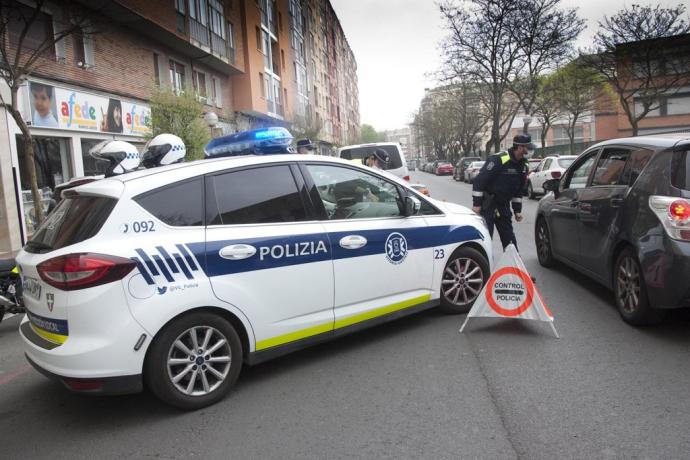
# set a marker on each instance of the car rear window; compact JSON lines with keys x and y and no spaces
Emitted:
{"x":680,"y":170}
{"x":75,"y":219}
{"x":360,"y":153}
{"x":565,"y":162}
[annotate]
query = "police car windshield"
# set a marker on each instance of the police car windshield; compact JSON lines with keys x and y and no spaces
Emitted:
{"x":360,"y":153}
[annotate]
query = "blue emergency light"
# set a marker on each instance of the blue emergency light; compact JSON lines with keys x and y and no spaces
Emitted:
{"x":263,"y":141}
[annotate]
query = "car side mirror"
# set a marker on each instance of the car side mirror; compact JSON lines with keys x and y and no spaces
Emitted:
{"x":412,"y":206}
{"x":552,"y":185}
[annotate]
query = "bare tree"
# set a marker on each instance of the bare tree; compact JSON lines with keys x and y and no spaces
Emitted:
{"x":27,"y":40}
{"x":546,"y":106}
{"x":576,"y":87}
{"x":471,"y":120}
{"x":545,"y":34}
{"x":480,"y":50}
{"x":631,"y":57}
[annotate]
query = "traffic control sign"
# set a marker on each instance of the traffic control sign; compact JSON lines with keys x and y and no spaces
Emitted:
{"x":511,"y":293}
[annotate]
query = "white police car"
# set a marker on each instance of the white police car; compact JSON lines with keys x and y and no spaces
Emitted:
{"x":176,"y":276}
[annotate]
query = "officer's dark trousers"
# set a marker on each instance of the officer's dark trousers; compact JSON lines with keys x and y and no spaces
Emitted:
{"x":500,"y":216}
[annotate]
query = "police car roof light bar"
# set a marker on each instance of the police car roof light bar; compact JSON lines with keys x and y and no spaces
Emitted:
{"x":263,"y":141}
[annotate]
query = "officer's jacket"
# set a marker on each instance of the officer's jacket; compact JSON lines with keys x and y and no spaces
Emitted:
{"x":502,"y":176}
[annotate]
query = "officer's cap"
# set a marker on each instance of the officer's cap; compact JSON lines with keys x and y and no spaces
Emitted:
{"x":381,"y":155}
{"x":306,"y":143}
{"x":524,"y":139}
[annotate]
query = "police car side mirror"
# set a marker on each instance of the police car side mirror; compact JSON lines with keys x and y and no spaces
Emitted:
{"x":552,"y":185}
{"x":412,"y":206}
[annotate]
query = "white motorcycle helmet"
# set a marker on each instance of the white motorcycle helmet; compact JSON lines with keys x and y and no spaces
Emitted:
{"x":162,"y":150}
{"x":122,"y":156}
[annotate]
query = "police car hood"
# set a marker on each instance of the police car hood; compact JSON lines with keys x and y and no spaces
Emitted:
{"x":452,"y":208}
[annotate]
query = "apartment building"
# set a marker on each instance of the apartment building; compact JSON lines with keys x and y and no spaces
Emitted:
{"x":668,"y":59}
{"x":240,"y":58}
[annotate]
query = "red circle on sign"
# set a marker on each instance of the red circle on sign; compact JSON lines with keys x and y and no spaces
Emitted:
{"x":524,"y":305}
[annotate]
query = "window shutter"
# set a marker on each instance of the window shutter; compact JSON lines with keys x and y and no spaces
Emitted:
{"x":209,"y":93}
{"x":219,"y":94}
{"x":89,"y":57}
{"x":60,"y":47}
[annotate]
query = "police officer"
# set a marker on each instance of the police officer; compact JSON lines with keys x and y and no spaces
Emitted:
{"x":499,"y":185}
{"x":378,"y":159}
{"x":305,"y":147}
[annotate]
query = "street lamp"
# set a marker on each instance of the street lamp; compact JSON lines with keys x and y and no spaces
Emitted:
{"x":211,"y":120}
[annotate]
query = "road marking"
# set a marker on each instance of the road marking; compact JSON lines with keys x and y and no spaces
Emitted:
{"x":15,"y":375}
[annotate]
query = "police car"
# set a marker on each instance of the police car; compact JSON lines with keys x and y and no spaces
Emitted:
{"x":175,"y":277}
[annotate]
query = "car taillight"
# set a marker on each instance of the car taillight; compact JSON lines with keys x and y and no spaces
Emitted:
{"x":407,"y":178}
{"x":556,"y":174}
{"x":674,"y":214}
{"x":81,"y":271}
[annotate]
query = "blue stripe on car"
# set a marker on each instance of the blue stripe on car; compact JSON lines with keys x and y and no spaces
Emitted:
{"x":183,"y":266}
{"x":163,"y":269}
{"x":142,"y":269}
{"x":168,"y":259}
{"x":147,"y":261}
{"x":188,"y":257}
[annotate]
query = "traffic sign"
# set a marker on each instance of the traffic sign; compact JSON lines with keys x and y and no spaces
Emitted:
{"x":511,"y":293}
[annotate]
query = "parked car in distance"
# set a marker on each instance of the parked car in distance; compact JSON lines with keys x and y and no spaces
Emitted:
{"x":396,"y":158}
{"x":620,"y":214}
{"x":459,"y":172}
{"x":443,"y":169}
{"x":533,"y":163}
{"x":472,"y":170}
{"x":551,"y":167}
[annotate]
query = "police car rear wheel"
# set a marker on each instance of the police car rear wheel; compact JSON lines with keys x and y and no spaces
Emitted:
{"x":195,"y":361}
{"x":464,"y":277}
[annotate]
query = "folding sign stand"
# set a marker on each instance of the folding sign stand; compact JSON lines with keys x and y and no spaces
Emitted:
{"x":511,"y":293}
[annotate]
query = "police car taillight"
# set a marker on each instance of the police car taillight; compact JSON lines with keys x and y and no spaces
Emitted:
{"x":674,"y":214}
{"x":81,"y":271}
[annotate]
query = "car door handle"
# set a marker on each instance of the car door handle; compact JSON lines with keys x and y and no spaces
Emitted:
{"x":352,"y":242}
{"x":616,"y":202}
{"x":237,"y":251}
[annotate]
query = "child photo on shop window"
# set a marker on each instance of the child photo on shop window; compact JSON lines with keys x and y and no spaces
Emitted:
{"x":112,"y":121}
{"x":43,"y":106}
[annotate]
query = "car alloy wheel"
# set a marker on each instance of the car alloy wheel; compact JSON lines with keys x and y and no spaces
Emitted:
{"x":628,"y":285}
{"x":462,"y":282}
{"x":199,"y":360}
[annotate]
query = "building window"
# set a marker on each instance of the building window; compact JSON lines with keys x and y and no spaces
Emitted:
{"x":177,"y":77}
{"x":215,"y":11}
{"x":282,"y":58}
{"x":214,"y":92}
{"x":258,"y":39}
{"x":156,"y":70}
{"x":198,"y":11}
{"x":231,"y":36}
{"x":78,"y":41}
{"x":199,"y":82}
{"x":180,"y":14}
{"x":37,"y":35}
{"x":262,"y":84}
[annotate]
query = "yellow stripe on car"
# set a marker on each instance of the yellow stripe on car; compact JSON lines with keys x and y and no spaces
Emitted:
{"x":341,"y":323}
{"x":49,"y":336}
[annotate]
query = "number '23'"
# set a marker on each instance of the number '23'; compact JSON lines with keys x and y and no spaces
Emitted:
{"x":439,"y":254}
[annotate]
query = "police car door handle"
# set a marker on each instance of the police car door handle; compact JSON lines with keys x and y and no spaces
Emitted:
{"x":352,"y":242}
{"x":237,"y":251}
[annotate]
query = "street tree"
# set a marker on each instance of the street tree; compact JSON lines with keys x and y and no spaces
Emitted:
{"x":28,"y":39}
{"x":546,"y":108}
{"x":480,"y":50}
{"x":576,"y":88}
{"x":630,"y":56}
{"x":545,"y":34}
{"x":368,"y":134}
{"x":181,"y":115}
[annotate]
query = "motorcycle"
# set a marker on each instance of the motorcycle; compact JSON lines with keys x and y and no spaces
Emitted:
{"x":10,"y":288}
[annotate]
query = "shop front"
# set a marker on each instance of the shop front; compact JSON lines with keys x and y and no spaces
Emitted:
{"x":65,"y":123}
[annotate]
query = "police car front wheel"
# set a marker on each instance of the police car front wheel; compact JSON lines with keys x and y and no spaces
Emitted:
{"x":463,"y":278}
{"x":194,"y":361}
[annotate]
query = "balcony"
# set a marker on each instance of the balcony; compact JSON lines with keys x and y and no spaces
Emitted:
{"x":198,"y":32}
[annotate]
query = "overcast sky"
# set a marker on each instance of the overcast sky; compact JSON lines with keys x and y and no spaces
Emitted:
{"x":396,"y":46}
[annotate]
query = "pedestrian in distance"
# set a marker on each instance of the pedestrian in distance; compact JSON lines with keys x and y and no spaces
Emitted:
{"x":305,"y":147}
{"x":498,"y":187}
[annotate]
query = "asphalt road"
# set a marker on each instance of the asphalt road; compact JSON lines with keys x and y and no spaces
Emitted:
{"x":414,"y":388}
